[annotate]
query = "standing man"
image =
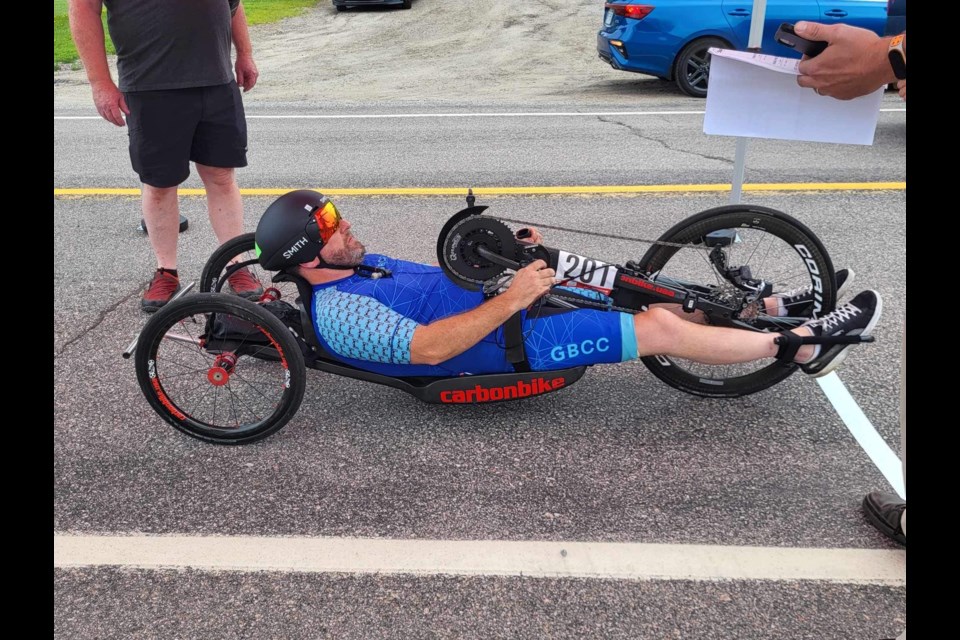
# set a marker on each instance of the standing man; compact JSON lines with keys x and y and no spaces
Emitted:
{"x":182,"y":104}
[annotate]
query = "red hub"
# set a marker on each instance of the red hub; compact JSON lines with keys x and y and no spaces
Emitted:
{"x":219,"y":373}
{"x":270,"y":294}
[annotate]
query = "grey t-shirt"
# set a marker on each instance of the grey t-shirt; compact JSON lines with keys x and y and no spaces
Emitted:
{"x":171,"y":44}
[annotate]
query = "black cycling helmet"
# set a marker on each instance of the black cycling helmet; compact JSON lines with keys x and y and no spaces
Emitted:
{"x":294,"y":229}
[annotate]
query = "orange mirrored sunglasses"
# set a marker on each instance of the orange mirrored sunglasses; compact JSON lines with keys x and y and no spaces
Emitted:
{"x":328,"y":221}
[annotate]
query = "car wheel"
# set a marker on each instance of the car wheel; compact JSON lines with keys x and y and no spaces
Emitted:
{"x":406,"y":4}
{"x":692,"y":67}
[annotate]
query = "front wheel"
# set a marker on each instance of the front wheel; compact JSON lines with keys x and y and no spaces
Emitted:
{"x":776,"y":249}
{"x":220,"y":368}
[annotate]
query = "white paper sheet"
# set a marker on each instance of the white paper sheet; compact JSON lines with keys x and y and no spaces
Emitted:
{"x":757,"y":96}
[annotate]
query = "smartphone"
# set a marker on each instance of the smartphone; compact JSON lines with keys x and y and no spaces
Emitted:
{"x":788,"y":37}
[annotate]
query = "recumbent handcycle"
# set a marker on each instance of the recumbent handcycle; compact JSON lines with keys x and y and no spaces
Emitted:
{"x":229,"y":370}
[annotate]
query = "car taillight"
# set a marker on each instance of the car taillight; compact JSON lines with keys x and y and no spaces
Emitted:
{"x":635,"y":11}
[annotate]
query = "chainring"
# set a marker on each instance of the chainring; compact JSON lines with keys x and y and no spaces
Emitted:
{"x":458,"y":243}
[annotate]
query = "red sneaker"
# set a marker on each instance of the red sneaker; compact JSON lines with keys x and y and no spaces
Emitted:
{"x":161,"y":289}
{"x":245,"y":284}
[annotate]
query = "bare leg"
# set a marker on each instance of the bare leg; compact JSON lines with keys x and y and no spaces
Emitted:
{"x":661,"y":332}
{"x":161,"y":213}
{"x":223,"y":201}
{"x":697,"y":316}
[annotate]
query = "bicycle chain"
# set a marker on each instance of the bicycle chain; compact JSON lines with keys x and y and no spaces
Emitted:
{"x":665,"y":243}
{"x":587,"y":302}
{"x":492,"y":288}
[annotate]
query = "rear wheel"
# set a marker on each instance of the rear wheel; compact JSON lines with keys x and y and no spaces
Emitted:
{"x":778,"y":250}
{"x":220,"y":368}
{"x":241,"y":249}
{"x":692,"y":67}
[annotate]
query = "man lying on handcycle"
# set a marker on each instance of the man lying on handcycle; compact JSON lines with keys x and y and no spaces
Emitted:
{"x":402,"y":318}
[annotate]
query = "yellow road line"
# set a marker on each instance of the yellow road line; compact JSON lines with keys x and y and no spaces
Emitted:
{"x":558,"y":190}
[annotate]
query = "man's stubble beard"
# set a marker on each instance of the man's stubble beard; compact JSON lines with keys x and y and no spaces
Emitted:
{"x":349,"y":256}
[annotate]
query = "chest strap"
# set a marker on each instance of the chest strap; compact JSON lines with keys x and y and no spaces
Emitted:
{"x":513,"y":340}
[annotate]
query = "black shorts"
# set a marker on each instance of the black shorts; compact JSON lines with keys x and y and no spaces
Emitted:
{"x":170,"y":128}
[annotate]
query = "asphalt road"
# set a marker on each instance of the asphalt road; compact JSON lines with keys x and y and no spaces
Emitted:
{"x":620,"y":456}
{"x":494,"y":150}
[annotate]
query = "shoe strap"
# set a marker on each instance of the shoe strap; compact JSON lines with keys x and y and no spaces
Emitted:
{"x":789,"y":343}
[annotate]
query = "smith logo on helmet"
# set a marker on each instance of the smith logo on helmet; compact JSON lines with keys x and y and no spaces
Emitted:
{"x":299,"y":244}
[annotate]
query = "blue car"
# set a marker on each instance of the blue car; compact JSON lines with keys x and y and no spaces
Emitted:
{"x":343,"y":5}
{"x":670,"y":38}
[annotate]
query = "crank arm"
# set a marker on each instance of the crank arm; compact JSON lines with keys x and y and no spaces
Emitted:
{"x":496,"y":258}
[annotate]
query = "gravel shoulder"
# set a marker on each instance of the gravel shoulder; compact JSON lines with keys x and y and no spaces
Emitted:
{"x":441,"y":52}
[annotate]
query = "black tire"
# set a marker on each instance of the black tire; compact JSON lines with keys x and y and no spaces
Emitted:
{"x":260,"y":394}
{"x":406,"y":4}
{"x":691,"y":69}
{"x":241,"y":247}
{"x":779,"y":249}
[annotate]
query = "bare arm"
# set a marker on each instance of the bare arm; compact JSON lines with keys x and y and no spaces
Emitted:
{"x":854,"y":63}
{"x":444,"y":339}
{"x":245,"y":67}
{"x":87,"y":30}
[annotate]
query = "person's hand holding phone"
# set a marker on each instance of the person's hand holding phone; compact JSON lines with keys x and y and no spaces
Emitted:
{"x":854,"y":63}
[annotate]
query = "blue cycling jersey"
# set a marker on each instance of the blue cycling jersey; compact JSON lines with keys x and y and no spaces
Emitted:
{"x":369,"y":323}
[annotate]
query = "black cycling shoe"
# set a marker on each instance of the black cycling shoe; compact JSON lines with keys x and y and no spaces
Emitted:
{"x":799,"y":302}
{"x":854,"y":318}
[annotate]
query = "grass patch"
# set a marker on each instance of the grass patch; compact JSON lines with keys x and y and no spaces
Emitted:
{"x":258,"y":12}
{"x":261,"y":11}
{"x":64,"y":52}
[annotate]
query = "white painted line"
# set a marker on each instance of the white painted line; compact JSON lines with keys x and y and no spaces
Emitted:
{"x":532,"y":114}
{"x":529,"y":114}
{"x":597,"y":560}
{"x":864,"y":432}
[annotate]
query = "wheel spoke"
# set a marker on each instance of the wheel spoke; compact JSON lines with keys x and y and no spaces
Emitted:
{"x":233,"y":406}
{"x":244,"y":381}
{"x":252,"y":412}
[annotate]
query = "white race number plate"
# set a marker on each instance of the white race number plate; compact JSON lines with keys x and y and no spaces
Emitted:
{"x":579,"y":270}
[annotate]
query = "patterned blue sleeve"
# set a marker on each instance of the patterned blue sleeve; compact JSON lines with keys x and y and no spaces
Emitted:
{"x":361,"y":327}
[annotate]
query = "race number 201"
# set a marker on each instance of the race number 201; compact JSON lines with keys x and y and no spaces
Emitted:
{"x":580,"y":271}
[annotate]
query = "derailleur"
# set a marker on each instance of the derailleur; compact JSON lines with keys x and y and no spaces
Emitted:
{"x":754,"y":289}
